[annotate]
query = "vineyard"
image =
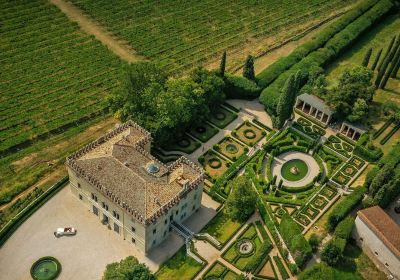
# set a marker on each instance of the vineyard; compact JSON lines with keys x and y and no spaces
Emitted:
{"x":184,"y":34}
{"x":52,"y":76}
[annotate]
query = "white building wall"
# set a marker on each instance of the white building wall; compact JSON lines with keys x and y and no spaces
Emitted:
{"x":144,"y":238}
{"x":368,"y":240}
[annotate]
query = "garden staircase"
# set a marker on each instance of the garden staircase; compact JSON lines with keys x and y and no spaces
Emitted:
{"x":187,"y":235}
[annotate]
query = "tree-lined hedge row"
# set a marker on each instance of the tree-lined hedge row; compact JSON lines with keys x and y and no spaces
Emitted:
{"x":237,"y":87}
{"x":319,"y":58}
{"x":269,"y":74}
{"x":343,"y":208}
{"x":294,"y":239}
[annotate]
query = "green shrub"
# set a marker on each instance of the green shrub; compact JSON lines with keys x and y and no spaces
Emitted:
{"x":317,"y":272}
{"x":281,"y":267}
{"x":314,"y":242}
{"x":269,"y":74}
{"x":343,"y":208}
{"x":344,"y":228}
{"x":349,"y":32}
{"x":258,"y":257}
{"x":333,"y":251}
{"x":294,"y":239}
{"x":237,"y":87}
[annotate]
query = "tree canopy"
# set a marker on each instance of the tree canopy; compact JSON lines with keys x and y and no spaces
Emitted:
{"x":241,"y":202}
{"x":128,"y":269}
{"x":353,"y":95}
{"x":163,"y":105}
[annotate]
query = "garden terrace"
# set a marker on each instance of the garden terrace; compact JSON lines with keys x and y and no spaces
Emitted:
{"x":245,"y":248}
{"x":248,"y":133}
{"x":222,"y":117}
{"x":219,"y":271}
{"x":340,"y":146}
{"x":203,"y":132}
{"x":186,"y":145}
{"x":309,"y":128}
{"x":314,"y":107}
{"x":213,"y":164}
{"x":230,"y":148}
{"x":222,"y":227}
{"x":349,"y":170}
{"x":185,"y":34}
{"x":179,"y":264}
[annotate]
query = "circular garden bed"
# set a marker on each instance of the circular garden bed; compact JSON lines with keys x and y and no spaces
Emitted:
{"x":294,"y":170}
{"x":249,"y":134}
{"x":184,"y":143}
{"x":200,"y":129}
{"x":46,"y":268}
{"x":245,"y":247}
{"x":231,"y":148}
{"x":220,"y":116}
{"x":215,"y":163}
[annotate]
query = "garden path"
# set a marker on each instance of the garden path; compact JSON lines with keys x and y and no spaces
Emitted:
{"x":253,"y":108}
{"x":93,"y":28}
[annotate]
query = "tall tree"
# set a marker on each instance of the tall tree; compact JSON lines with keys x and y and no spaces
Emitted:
{"x":222,"y":65}
{"x":388,"y":50}
{"x":391,"y":68}
{"x":395,"y":69}
{"x":376,"y":60}
{"x":127,"y":269}
{"x":366,"y":58}
{"x":248,"y":69}
{"x":386,"y":63}
{"x":283,"y":109}
{"x":241,"y":202}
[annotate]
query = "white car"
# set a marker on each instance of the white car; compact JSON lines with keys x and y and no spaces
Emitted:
{"x":65,"y":231}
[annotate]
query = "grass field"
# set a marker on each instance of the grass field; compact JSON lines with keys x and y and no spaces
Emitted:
{"x":54,"y":79}
{"x":183,"y":34}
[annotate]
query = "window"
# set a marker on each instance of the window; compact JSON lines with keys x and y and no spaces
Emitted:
{"x":361,"y":239}
{"x":116,"y":228}
{"x":116,"y":215}
{"x":386,"y":264}
{"x":80,"y":197}
{"x":106,"y":207}
{"x":171,"y":217}
{"x":103,"y":204}
{"x":176,"y":212}
{"x":165,"y":222}
{"x":154,"y":231}
{"x":194,"y":206}
{"x":133,"y":240}
{"x":133,"y":229}
{"x":79,"y":185}
{"x":376,"y":253}
{"x":165,"y":233}
{"x":195,"y":196}
{"x":154,"y":241}
{"x":94,"y":197}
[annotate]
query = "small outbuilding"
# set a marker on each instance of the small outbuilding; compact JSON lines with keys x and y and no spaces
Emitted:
{"x":352,"y":131}
{"x":379,"y":237}
{"x":314,"y":107}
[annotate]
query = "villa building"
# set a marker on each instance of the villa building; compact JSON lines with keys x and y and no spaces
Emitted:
{"x":352,"y":131}
{"x":129,"y":190}
{"x":379,"y":236}
{"x":314,"y":107}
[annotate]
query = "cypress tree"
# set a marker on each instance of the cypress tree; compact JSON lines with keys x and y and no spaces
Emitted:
{"x":222,"y":65}
{"x":367,"y":57}
{"x":248,"y":70}
{"x":387,"y":53}
{"x":376,"y":60}
{"x":396,"y":69}
{"x":391,"y":68}
{"x":385,"y":64}
{"x":283,"y":109}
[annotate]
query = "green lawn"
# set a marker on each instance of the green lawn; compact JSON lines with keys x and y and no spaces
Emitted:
{"x":180,"y":264}
{"x":294,"y":170}
{"x":357,"y":266}
{"x":222,"y":117}
{"x":222,"y":227}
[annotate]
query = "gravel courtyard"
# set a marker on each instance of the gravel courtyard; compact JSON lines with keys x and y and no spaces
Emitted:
{"x":85,"y":255}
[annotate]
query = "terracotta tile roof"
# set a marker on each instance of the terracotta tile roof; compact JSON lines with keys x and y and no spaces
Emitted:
{"x":383,"y":226}
{"x":120,"y":167}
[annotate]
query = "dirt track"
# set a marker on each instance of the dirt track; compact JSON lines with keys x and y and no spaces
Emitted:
{"x":90,"y":27}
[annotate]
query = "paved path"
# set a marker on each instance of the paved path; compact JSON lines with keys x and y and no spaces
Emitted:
{"x":253,"y":108}
{"x":279,"y":161}
{"x":93,"y":28}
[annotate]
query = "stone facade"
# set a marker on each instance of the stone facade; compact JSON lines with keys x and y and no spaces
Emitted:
{"x":130,"y":191}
